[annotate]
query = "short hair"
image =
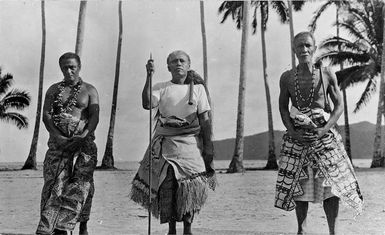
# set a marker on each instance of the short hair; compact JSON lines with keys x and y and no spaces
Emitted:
{"x":69,"y":55}
{"x":178,"y":51}
{"x":305,"y":33}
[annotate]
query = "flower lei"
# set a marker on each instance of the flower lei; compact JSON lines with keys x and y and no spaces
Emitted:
{"x":58,"y":106}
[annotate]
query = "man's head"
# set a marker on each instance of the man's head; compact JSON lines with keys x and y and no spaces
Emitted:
{"x":70,"y":65}
{"x":304,"y":46}
{"x":178,"y":63}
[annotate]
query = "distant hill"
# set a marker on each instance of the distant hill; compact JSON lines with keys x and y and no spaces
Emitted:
{"x":256,"y":146}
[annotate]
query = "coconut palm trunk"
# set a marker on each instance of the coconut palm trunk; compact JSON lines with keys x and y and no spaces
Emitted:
{"x":30,"y":163}
{"x":204,"y":47}
{"x":348,"y":147}
{"x":378,"y":159}
{"x":81,"y":25}
{"x":346,"y":113}
{"x":236,"y":164}
{"x":291,"y":25}
{"x":108,"y":158}
{"x":271,"y":160}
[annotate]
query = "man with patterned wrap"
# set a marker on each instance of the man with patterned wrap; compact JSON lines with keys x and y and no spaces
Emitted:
{"x":70,"y":114}
{"x":182,"y":150}
{"x":313,"y":165}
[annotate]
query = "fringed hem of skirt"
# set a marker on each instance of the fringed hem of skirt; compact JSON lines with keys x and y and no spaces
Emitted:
{"x":192,"y":194}
{"x":140,"y":194}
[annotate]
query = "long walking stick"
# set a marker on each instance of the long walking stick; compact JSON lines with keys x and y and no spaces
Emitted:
{"x":150,"y":152}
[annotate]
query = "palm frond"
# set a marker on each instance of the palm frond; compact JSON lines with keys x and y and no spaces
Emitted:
{"x":370,"y":89}
{"x":317,"y":14}
{"x":15,"y":99}
{"x":334,"y":41}
{"x":355,"y":74}
{"x":16,"y":118}
{"x":353,"y":31}
{"x":281,"y":9}
{"x":297,"y":5}
{"x":361,"y":18}
{"x":264,"y":9}
{"x":254,"y":23}
{"x":5,"y":82}
{"x":233,"y":8}
{"x":336,"y":57}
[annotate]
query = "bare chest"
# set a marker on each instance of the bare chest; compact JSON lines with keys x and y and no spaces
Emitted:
{"x":306,"y":90}
{"x":71,"y":96}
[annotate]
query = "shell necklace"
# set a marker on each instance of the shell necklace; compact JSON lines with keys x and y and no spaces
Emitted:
{"x":297,"y":90}
{"x":58,"y":106}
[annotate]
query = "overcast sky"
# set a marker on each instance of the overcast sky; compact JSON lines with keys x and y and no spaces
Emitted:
{"x":156,"y":27}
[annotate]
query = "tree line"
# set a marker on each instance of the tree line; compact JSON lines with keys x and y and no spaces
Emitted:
{"x":358,"y":57}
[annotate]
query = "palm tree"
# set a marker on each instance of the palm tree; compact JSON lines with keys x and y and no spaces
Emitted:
{"x":364,"y":22}
{"x":313,"y":25}
{"x":30,"y":163}
{"x":204,"y":47}
{"x":108,"y":158}
{"x":233,"y":8}
{"x":80,"y":30}
{"x":297,"y":5}
{"x":380,"y":160}
{"x":12,"y":101}
{"x":240,"y":13}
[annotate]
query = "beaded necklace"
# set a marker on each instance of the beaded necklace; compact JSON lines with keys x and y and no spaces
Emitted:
{"x":58,"y":106}
{"x":298,"y":95}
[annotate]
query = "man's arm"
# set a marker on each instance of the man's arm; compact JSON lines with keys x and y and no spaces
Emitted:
{"x":146,"y":89}
{"x":93,"y":118}
{"x":284,"y":97}
{"x":335,"y":94}
{"x":208,"y":147}
{"x":47,"y":118}
{"x":93,"y":111}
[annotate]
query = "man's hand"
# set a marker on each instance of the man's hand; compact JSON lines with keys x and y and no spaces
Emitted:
{"x":320,"y":132}
{"x":76,"y":141}
{"x":61,"y":138}
{"x":208,"y":160}
{"x":150,"y":67}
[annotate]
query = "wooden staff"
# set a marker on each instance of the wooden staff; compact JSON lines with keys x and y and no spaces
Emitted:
{"x":150,"y":151}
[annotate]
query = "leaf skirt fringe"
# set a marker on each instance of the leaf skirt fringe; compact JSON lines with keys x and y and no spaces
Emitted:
{"x":191,"y":194}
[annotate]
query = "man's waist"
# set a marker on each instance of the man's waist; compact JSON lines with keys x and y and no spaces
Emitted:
{"x":319,"y":122}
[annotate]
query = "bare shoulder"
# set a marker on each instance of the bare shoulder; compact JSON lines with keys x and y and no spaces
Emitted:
{"x":330,"y":75}
{"x":90,"y":88}
{"x":53,"y":89}
{"x":285,"y":78}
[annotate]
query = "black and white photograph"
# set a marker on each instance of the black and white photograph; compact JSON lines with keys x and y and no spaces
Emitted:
{"x":122,"y":117}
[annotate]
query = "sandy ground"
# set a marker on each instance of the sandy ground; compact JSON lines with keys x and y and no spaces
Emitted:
{"x":242,"y":204}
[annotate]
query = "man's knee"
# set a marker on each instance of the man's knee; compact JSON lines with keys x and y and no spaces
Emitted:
{"x":301,"y":204}
{"x":188,"y":217}
{"x":332,"y":201}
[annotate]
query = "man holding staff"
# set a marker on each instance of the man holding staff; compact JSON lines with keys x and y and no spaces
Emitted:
{"x":182,"y":149}
{"x":314,"y":166}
